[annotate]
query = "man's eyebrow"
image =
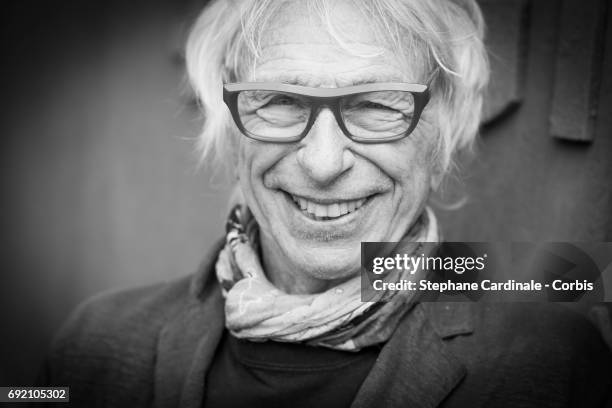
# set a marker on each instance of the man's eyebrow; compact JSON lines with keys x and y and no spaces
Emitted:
{"x":294,"y":79}
{"x":365,"y":81}
{"x":374,"y":79}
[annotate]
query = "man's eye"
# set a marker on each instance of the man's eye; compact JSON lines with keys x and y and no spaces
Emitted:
{"x":282,"y":100}
{"x":376,"y":105}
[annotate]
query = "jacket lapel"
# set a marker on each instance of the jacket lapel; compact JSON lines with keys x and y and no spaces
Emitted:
{"x":416,"y":368}
{"x":188,"y":341}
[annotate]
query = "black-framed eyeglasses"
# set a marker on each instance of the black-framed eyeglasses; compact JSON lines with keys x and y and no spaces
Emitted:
{"x":284,"y":113}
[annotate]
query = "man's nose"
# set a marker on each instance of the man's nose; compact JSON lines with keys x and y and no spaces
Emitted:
{"x":324,"y":154}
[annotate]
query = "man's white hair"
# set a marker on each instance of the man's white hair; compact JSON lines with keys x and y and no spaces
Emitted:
{"x":225,"y":43}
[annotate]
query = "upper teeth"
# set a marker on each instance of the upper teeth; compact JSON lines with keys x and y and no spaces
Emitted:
{"x":328,"y":210}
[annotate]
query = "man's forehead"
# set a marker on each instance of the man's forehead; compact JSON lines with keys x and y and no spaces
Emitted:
{"x":299,"y":48}
{"x":297,"y":24}
{"x":341,"y":16}
{"x":328,"y":66}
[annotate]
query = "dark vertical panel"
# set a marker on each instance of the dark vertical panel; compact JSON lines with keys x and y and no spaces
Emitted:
{"x":506,"y":41}
{"x":603,"y":131}
{"x":578,"y":69}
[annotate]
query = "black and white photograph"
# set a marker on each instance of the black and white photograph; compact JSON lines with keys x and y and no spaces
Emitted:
{"x":306,"y":203}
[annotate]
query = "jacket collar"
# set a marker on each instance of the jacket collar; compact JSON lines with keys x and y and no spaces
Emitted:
{"x":415,"y":367}
{"x":450,"y":319}
{"x":189,"y":339}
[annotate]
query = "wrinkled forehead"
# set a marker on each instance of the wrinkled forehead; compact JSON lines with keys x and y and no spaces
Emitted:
{"x":332,"y":47}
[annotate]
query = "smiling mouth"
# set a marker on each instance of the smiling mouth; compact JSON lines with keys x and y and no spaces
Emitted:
{"x":328,"y":211}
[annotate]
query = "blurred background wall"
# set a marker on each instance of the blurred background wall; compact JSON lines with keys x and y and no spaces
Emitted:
{"x":99,"y":182}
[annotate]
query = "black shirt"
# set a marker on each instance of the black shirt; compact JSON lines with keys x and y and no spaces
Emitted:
{"x":273,"y":374}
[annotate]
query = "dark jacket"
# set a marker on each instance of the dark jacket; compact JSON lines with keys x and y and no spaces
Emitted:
{"x":152,"y":346}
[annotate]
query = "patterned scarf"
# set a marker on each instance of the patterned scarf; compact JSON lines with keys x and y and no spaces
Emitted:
{"x":337,"y":318}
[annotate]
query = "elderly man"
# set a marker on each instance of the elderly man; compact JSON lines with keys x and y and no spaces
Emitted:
{"x":336,"y":120}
